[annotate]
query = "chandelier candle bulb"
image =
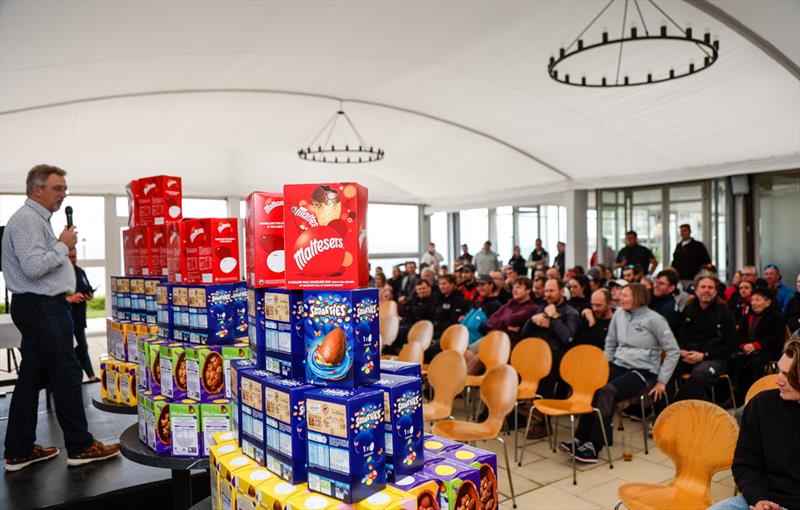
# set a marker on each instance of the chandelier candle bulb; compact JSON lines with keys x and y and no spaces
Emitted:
{"x":605,"y":35}
{"x":580,"y":44}
{"x":583,"y":80}
{"x":688,"y":31}
{"x":691,"y":67}
{"x":633,"y":32}
{"x":562,"y":52}
{"x":664,"y":29}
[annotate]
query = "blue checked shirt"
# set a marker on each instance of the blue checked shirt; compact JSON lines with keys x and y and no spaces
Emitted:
{"x":33,"y":259}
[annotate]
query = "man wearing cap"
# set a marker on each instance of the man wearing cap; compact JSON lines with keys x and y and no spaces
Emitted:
{"x":467,"y":285}
{"x":635,"y":253}
{"x":486,"y":260}
{"x":689,"y":256}
{"x":782,"y":293}
{"x":483,"y":306}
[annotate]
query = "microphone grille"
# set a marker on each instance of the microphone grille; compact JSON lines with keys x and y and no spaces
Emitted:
{"x":68,"y":209}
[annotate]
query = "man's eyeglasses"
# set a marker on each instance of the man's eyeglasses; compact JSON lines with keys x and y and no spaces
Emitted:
{"x":57,"y":188}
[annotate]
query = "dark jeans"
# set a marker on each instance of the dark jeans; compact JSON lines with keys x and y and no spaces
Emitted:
{"x":82,"y":352}
{"x":747,"y":369}
{"x":623,"y":384}
{"x":48,"y":359}
{"x":703,"y":375}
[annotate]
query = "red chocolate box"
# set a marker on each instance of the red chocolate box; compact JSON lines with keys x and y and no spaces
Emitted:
{"x":325,"y":236}
{"x":129,"y":255}
{"x":211,"y":250}
{"x":264,"y":240}
{"x":154,"y":200}
{"x":177,"y":233}
{"x":155,"y":260}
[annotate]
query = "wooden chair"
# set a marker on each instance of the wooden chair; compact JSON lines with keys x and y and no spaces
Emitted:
{"x":494,"y":350}
{"x":422,"y":333}
{"x":454,"y":338}
{"x":499,"y":393}
{"x":700,"y":438}
{"x":447,"y":373}
{"x":387,"y":308}
{"x":768,"y":382}
{"x":389,"y":327}
{"x":532,"y":359}
{"x":412,"y":352}
{"x":585,"y":369}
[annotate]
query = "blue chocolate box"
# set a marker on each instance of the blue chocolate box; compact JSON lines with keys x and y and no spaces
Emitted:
{"x":252,"y":434}
{"x":286,"y":428}
{"x":346,"y":454}
{"x":275,"y":318}
{"x":404,"y":424}
{"x":392,"y":366}
{"x":341,"y":337}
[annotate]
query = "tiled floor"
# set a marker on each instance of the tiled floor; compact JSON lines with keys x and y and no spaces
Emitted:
{"x":544,"y":481}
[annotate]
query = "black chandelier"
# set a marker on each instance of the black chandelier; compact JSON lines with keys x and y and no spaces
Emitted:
{"x":328,"y":152}
{"x":709,"y":49}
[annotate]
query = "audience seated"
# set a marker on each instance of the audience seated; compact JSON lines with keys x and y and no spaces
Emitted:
{"x":766,"y":462}
{"x":707,"y":338}
{"x":517,"y":262}
{"x":419,"y":307}
{"x":781,"y":292}
{"x":408,"y":282}
{"x":748,"y":274}
{"x":632,"y":273}
{"x":449,"y":306}
{"x":537,"y":293}
{"x":740,"y":308}
{"x":483,"y":306}
{"x":595,"y":320}
{"x":792,"y":313}
{"x":466,"y":283}
{"x":578,"y":287}
{"x":761,"y":336}
{"x":636,"y":337}
{"x":503,"y":293}
{"x":664,"y":286}
{"x":557,"y":324}
{"x":396,"y":282}
{"x":559,"y":262}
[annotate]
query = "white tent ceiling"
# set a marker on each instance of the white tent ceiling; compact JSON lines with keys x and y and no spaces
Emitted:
{"x":455,"y":92}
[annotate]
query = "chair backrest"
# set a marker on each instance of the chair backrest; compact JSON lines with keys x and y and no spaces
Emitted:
{"x":388,"y":307}
{"x":455,"y":338}
{"x":768,"y":382}
{"x":447,"y":373}
{"x":532,"y":359}
{"x":412,"y":351}
{"x":389,"y":326}
{"x":499,"y":393}
{"x":700,"y":438}
{"x":585,"y":369}
{"x":422,"y":333}
{"x":494,"y":349}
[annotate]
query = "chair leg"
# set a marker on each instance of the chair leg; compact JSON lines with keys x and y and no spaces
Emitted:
{"x":466,"y":405}
{"x":572,"y":441}
{"x":525,"y":436}
{"x":516,"y":430}
{"x":644,"y":425}
{"x":730,"y":387}
{"x":555,"y":435}
{"x":605,"y":437}
{"x":549,"y":430}
{"x":508,"y":468}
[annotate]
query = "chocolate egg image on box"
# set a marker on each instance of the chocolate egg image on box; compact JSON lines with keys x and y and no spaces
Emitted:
{"x":212,"y":373}
{"x":332,"y":349}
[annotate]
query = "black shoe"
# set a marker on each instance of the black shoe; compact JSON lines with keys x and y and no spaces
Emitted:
{"x":586,"y":454}
{"x":566,"y":446}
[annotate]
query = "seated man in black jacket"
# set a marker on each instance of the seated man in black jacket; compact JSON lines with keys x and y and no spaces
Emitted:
{"x":595,"y":320}
{"x":707,"y":338}
{"x":664,"y":285}
{"x":418,"y":307}
{"x":450,"y":306}
{"x":766,"y":463}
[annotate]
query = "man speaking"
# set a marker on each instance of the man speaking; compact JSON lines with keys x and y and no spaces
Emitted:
{"x":40,"y":276}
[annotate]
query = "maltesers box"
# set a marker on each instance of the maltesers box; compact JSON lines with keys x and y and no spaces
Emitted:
{"x":215,"y":417}
{"x":154,"y":200}
{"x":127,"y":383}
{"x":486,"y":463}
{"x":185,"y":428}
{"x":346,"y":442}
{"x":403,"y":423}
{"x":285,"y":427}
{"x":172,"y":360}
{"x":164,"y":310}
{"x":246,"y":482}
{"x":425,"y":488}
{"x":264,"y":240}
{"x":252,"y":435}
{"x":229,"y":467}
{"x":141,"y":407}
{"x":391,"y":366}
{"x":275,"y":317}
{"x":159,"y":431}
{"x":390,"y":498}
{"x":325,"y":235}
{"x":460,"y":483}
{"x":154,"y":260}
{"x":211,"y":250}
{"x":341,"y":337}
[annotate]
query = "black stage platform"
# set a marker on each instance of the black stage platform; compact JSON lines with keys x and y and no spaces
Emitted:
{"x":117,"y":483}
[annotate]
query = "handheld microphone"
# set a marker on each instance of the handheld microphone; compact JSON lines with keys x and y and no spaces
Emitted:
{"x":68,"y":212}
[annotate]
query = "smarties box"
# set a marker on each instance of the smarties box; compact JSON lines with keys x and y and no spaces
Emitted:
{"x":391,"y":366}
{"x":286,"y":428}
{"x":264,"y":240}
{"x":252,"y":436}
{"x":486,"y":463}
{"x":154,"y":200}
{"x":325,"y":235}
{"x":213,"y":309}
{"x":164,"y":310}
{"x":275,"y":323}
{"x":402,"y":405}
{"x":341,"y":337}
{"x":459,"y":482}
{"x":345,"y":442}
{"x":238,"y":367}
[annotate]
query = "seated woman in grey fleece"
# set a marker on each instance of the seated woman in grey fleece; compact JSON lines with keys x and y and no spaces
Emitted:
{"x":636,"y":337}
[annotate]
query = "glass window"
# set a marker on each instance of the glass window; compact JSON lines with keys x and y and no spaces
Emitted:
{"x":779,"y":230}
{"x":474,"y":228}
{"x":384,"y":234}
{"x":386,"y":263}
{"x":528,"y":224}
{"x":89,"y":218}
{"x":504,"y":223}
{"x":242,"y":209}
{"x":550,"y":233}
{"x":647,"y":196}
{"x":591,"y":231}
{"x":438,"y":225}
{"x":97,"y":277}
{"x":122,"y":207}
{"x":647,"y":222}
{"x":690,"y":213}
{"x":9,"y":205}
{"x":720,"y":228}
{"x":694,"y":192}
{"x":204,"y":208}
